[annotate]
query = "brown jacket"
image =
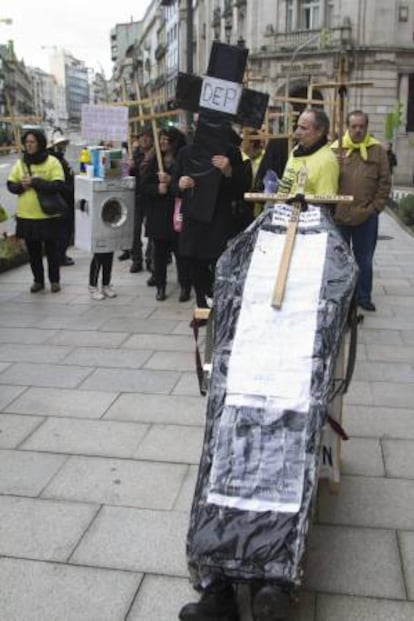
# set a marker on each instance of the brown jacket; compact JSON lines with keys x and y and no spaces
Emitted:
{"x":368,"y":181}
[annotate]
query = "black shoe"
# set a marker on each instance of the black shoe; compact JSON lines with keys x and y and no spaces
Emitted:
{"x":161,"y":295}
{"x":135,"y":267}
{"x":185,"y":294}
{"x":124,"y":256}
{"x":151,"y":281}
{"x":367,"y":305}
{"x":271,"y":604}
{"x":215,"y":605}
{"x":36,"y":287}
{"x":67,"y":261}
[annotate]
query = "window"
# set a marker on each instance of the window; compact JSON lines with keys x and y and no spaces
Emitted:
{"x":289,"y":16}
{"x":309,"y":15}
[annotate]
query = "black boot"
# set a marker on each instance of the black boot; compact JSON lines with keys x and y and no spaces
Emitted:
{"x":216,"y":604}
{"x":185,"y":294}
{"x":161,"y":296}
{"x":271,"y":603}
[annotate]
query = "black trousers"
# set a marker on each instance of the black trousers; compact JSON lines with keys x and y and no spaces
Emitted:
{"x":35,"y":250}
{"x":136,"y":250}
{"x":202,"y":277}
{"x":161,"y":252}
{"x":100,"y":260}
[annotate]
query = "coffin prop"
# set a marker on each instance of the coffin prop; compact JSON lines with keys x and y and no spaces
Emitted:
{"x":272,"y":380}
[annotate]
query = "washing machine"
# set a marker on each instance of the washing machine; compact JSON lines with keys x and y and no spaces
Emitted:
{"x":104,"y":213}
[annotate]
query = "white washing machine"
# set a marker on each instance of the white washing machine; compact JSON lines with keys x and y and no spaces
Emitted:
{"x":104,"y":213}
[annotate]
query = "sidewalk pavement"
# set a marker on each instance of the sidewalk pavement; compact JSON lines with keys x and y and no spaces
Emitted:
{"x":101,"y":428}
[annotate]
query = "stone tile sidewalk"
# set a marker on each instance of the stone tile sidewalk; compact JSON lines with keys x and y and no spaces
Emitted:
{"x":100,"y":433}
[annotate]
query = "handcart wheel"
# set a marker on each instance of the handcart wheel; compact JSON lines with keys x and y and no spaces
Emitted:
{"x":271,"y":603}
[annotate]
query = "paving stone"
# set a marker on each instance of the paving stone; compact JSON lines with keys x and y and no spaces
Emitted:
{"x":188,"y":385}
{"x":407,"y":552}
{"x":172,"y":361}
{"x":369,"y":501}
{"x":378,"y":422}
{"x":32,"y":353}
{"x":354,"y":561}
{"x":185,"y":497}
{"x":181,"y":313}
{"x":176,"y":410}
{"x":14,"y":429}
{"x":174,"y":443}
{"x":380,"y":337}
{"x":183,"y":328}
{"x":362,"y":456}
{"x":87,"y":338}
{"x":52,"y":592}
{"x":87,"y":437}
{"x":28,"y":336}
{"x":388,"y":353}
{"x":136,"y":540}
{"x":42,"y":529}
{"x":160,"y":342}
{"x":118,"y":482}
{"x":394,"y":395}
{"x":399,"y":458}
{"x":127,"y":380}
{"x":8,"y":394}
{"x":339,"y":608}
{"x":359,"y":393}
{"x":26,"y":474}
{"x":52,"y":375}
{"x":63,"y":402}
{"x":384,"y":372}
{"x":160,"y":598}
{"x":144,"y":326}
{"x":99,"y":357}
{"x":59,"y":322}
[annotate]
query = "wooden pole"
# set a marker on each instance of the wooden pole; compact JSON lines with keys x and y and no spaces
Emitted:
{"x":156,"y":140}
{"x":281,"y":279}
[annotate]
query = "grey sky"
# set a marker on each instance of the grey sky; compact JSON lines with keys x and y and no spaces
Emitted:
{"x":80,"y":26}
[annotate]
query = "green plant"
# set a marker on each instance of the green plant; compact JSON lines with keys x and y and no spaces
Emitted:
{"x":405,"y":209}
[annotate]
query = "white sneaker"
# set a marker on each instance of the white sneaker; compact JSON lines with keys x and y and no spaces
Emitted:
{"x":109,"y":291}
{"x":96,"y":294}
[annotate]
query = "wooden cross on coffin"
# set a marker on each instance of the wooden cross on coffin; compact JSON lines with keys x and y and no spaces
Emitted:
{"x":220,"y":99}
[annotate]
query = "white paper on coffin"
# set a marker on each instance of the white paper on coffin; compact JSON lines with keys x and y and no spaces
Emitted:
{"x":269,"y":372}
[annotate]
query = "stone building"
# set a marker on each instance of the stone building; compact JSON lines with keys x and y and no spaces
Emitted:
{"x":293,"y":43}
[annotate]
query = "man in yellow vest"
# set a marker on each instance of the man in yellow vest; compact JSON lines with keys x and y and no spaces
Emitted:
{"x":365,"y":173}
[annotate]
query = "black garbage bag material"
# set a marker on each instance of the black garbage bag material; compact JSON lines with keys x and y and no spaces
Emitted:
{"x":271,"y":378}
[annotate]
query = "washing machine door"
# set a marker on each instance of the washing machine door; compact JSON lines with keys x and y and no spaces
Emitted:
{"x":114,"y":212}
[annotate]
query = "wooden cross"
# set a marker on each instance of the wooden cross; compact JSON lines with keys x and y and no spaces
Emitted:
{"x":342,"y":89}
{"x":280,"y":284}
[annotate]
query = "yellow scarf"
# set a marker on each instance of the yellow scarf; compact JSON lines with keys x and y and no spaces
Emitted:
{"x":350,"y":146}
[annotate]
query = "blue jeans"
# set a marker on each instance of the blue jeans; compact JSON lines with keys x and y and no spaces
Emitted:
{"x":363,"y":239}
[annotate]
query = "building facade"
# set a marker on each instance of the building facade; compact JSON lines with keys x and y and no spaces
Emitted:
{"x":292,"y":44}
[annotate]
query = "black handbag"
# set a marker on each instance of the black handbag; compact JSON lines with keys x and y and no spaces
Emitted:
{"x":52,"y":203}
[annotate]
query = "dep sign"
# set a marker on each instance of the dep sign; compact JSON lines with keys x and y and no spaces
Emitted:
{"x":220,"y":95}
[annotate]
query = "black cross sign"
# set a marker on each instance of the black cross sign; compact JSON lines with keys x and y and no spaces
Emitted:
{"x":219,"y":98}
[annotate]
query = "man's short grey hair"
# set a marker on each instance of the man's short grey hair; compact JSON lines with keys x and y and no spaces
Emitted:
{"x":356,"y":113}
{"x":321,"y":119}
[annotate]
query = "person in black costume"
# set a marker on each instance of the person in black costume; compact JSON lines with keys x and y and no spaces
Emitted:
{"x":67,"y":229}
{"x":157,"y":192}
{"x":206,"y":232}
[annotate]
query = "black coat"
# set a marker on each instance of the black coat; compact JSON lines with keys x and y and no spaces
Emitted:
{"x":159,"y":208}
{"x":206,"y":238}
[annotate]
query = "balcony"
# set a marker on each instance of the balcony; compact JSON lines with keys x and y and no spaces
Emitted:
{"x":160,"y":51}
{"x":288,"y":41}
